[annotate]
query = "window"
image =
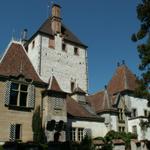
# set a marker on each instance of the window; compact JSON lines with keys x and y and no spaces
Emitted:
{"x":121,"y":129}
{"x":145,"y":113}
{"x":15,"y":132}
{"x":57,"y":103}
{"x":80,"y":134}
{"x":51,"y":43}
{"x":73,"y":134}
{"x":134,"y":129}
{"x":77,"y":134}
{"x":64,"y":47}
{"x":120,"y":115}
{"x":134,"y":112}
{"x":72,"y":86}
{"x":33,"y":44}
{"x":18,"y":95}
{"x":76,"y":51}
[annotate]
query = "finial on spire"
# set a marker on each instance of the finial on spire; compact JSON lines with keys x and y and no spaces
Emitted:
{"x":123,"y":62}
{"x":118,"y":64}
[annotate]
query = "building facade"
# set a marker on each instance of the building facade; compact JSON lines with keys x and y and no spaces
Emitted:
{"x":48,"y":72}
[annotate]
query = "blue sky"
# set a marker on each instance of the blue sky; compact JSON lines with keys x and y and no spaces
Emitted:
{"x":104,"y":25}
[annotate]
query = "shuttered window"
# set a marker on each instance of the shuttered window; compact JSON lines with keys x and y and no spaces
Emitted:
{"x":15,"y":132}
{"x":19,"y":94}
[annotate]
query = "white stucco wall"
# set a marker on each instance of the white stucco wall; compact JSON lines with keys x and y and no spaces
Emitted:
{"x":141,"y":134}
{"x":65,"y":66}
{"x":139,"y":104}
{"x":98,"y":128}
{"x":33,"y":53}
{"x":110,"y":122}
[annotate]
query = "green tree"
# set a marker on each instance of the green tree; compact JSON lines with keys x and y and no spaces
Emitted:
{"x":86,"y":144}
{"x":143,"y":35}
{"x":38,"y":131}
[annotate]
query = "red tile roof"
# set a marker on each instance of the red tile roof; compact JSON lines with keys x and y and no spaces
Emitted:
{"x":96,"y":100}
{"x":53,"y":85}
{"x":122,"y":80}
{"x":75,"y":109}
{"x":15,"y":62}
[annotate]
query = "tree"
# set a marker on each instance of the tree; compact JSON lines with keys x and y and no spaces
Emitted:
{"x":143,"y":34}
{"x":38,"y":131}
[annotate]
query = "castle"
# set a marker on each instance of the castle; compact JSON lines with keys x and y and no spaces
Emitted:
{"x":49,"y":72}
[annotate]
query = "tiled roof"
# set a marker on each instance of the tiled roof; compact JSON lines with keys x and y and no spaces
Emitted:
{"x":96,"y":100}
{"x":53,"y":85}
{"x":122,"y":80}
{"x":15,"y":62}
{"x":101,"y":101}
{"x":75,"y":109}
{"x":66,"y":33}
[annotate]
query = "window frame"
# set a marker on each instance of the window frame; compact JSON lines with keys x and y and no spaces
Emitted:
{"x":19,"y":93}
{"x":145,"y":113}
{"x":64,"y":47}
{"x":134,"y":112}
{"x":76,"y":51}
{"x":134,"y":129}
{"x":72,"y":86}
{"x":14,"y":133}
{"x":121,"y":114}
{"x":77,"y":134}
{"x":51,"y":42}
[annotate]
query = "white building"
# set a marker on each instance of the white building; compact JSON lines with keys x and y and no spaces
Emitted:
{"x":55,"y":50}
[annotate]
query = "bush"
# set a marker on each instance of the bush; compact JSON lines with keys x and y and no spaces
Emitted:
{"x":1,"y":147}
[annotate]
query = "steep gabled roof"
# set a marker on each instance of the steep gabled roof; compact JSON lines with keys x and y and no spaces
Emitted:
{"x":122,"y":80}
{"x":66,"y":33}
{"x":15,"y":62}
{"x":53,"y":85}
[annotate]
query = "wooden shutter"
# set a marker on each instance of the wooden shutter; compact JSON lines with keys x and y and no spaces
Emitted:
{"x":31,"y":96}
{"x":12,"y":132}
{"x":7,"y":92}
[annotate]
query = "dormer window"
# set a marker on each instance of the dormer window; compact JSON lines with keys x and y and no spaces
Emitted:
{"x":76,"y":51}
{"x":64,"y":47}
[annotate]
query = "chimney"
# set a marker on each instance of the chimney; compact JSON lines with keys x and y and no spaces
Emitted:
{"x":56,"y":19}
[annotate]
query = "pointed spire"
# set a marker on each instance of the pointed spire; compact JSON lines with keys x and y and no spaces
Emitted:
{"x":53,"y":85}
{"x":106,"y":101}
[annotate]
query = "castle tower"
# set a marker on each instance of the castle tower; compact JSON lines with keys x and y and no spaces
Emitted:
{"x":55,"y":50}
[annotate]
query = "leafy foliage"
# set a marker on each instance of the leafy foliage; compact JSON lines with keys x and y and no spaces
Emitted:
{"x":143,"y":15}
{"x":113,"y":135}
{"x":86,"y":144}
